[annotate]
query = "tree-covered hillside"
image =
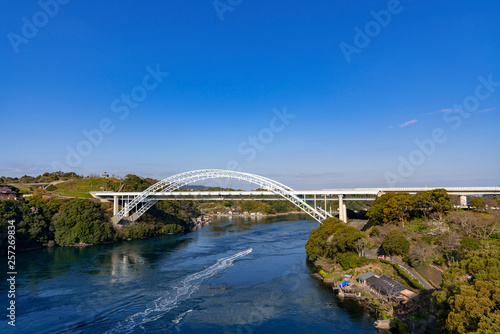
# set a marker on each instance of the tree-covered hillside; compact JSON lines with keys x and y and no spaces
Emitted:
{"x":52,"y":222}
{"x":456,"y":250}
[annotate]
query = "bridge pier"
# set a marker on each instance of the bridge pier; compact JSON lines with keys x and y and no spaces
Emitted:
{"x":342,"y":209}
{"x":118,"y":221}
{"x":115,"y":205}
{"x":341,"y":212}
{"x":125,"y":202}
{"x":463,"y":200}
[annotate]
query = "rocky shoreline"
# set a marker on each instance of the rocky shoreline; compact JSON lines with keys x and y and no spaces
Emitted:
{"x":205,"y":219}
{"x":251,"y":214}
{"x":198,"y":222}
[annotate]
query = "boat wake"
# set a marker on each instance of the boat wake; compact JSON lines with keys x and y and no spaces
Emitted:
{"x":180,"y":317}
{"x":179,"y":293}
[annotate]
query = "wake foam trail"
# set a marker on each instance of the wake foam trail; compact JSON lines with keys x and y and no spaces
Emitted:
{"x":179,"y":293}
{"x":181,"y":316}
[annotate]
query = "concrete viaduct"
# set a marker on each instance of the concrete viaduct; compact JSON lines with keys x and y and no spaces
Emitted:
{"x":313,"y":202}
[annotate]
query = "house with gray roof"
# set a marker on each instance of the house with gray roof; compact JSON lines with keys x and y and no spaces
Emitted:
{"x":363,"y":277}
{"x":386,"y":286}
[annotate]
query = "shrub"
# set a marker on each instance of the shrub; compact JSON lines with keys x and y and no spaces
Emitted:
{"x":469,"y":244}
{"x":478,"y":203}
{"x":396,"y":243}
{"x":349,"y":260}
{"x":375,"y":231}
{"x":397,"y":326}
{"x":440,"y":260}
{"x":427,"y":239}
{"x":51,"y":188}
{"x":323,"y":273}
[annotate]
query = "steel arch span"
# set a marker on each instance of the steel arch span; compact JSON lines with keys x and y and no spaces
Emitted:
{"x":144,"y":200}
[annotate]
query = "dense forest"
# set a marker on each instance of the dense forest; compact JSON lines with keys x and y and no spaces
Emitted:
{"x":456,"y":250}
{"x":64,"y":214}
{"x":62,"y":222}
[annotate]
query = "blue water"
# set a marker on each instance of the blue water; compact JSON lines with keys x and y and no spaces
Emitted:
{"x":201,"y":282}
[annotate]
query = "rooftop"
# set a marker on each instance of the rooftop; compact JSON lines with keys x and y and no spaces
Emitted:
{"x":365,"y":276}
{"x":386,"y":285}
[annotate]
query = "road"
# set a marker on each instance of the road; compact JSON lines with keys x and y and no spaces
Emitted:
{"x":372,"y":255}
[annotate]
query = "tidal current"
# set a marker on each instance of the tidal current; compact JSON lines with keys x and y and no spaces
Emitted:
{"x":235,"y":275}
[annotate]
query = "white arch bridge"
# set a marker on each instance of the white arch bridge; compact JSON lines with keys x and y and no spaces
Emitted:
{"x":313,"y":202}
{"x":141,"y":202}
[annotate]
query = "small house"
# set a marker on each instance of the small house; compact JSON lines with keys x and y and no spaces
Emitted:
{"x":7,"y":193}
{"x":5,"y":188}
{"x":363,"y":277}
{"x":395,"y":291}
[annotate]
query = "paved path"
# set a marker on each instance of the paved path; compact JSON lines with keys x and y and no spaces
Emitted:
{"x":416,"y":275}
{"x":358,"y":223}
{"x":372,"y":255}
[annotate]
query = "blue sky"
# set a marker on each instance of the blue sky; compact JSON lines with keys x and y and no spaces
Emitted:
{"x":352,"y":121}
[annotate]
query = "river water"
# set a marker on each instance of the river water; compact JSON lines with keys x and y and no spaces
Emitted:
{"x":206,"y":281}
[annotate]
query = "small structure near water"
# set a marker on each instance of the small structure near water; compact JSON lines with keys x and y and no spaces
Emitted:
{"x":196,"y":223}
{"x":344,"y":283}
{"x":363,"y":277}
{"x":382,"y":324}
{"x":385,"y":286}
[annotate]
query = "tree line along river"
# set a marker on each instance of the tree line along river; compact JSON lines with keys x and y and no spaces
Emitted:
{"x":207,"y":281}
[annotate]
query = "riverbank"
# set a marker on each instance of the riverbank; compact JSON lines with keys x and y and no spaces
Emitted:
{"x":253,"y":214}
{"x":390,"y":310}
{"x":46,"y":222}
{"x":185,"y":283}
{"x":339,"y":251}
{"x":198,"y":222}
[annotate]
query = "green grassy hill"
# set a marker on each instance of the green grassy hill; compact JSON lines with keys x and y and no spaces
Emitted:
{"x":81,"y":187}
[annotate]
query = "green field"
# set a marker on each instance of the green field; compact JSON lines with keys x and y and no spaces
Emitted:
{"x":82,"y":187}
{"x":74,"y":194}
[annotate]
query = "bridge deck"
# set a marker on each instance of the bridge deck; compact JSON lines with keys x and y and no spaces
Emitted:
{"x":318,"y":193}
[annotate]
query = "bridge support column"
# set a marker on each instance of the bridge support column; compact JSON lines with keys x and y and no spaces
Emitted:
{"x":341,"y":204}
{"x":124,"y":204}
{"x":342,"y":209}
{"x":115,"y":205}
{"x":463,"y":200}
